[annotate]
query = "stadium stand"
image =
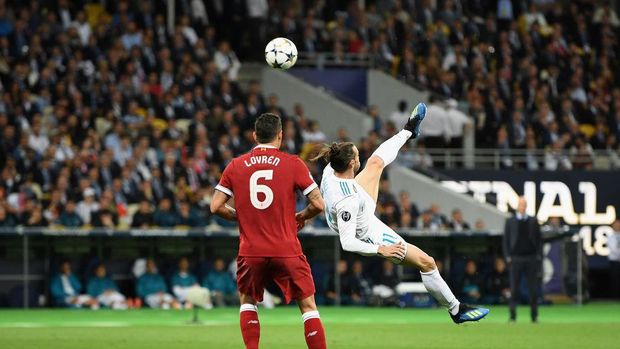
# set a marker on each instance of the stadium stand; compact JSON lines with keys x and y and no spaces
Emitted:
{"x":108,"y":117}
{"x":111,"y":118}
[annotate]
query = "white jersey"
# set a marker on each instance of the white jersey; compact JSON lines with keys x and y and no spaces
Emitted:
{"x":350,"y":212}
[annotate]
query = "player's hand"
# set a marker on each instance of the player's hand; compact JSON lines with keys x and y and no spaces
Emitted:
{"x":301,"y":222}
{"x":396,"y":250}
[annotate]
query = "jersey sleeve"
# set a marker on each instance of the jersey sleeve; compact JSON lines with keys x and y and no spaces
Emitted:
{"x":346,"y":213}
{"x":328,"y":170}
{"x":303,"y":177}
{"x":225,"y":184}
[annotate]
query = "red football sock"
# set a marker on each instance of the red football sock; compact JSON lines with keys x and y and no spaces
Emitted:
{"x":250,"y":327}
{"x":313,"y":330}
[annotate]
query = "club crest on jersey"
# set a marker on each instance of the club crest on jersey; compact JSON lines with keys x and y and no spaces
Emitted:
{"x":346,"y":216}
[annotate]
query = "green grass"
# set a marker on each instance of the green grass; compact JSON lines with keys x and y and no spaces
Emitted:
{"x":591,"y":326}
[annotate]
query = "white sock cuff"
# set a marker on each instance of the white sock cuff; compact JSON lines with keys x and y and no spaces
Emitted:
{"x":430,"y":272}
{"x":310,"y":315}
{"x":248,"y":307}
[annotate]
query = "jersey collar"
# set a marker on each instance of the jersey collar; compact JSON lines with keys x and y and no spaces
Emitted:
{"x":265,"y":146}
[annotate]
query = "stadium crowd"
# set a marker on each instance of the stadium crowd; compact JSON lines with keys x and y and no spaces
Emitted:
{"x":538,"y":74}
{"x":109,"y":120}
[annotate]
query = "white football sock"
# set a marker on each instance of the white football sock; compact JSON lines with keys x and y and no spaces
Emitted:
{"x":437,"y":287}
{"x":248,"y":307}
{"x":388,"y":150}
{"x":310,"y":315}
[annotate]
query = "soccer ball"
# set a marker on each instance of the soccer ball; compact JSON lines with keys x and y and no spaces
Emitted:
{"x":281,"y":53}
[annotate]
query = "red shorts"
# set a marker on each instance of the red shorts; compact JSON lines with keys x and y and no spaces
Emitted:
{"x":291,"y":274}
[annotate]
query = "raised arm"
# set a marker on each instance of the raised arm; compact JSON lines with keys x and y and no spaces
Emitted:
{"x":315,"y":206}
{"x":347,"y":224}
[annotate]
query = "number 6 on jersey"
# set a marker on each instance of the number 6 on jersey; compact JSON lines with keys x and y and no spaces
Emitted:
{"x":256,"y":188}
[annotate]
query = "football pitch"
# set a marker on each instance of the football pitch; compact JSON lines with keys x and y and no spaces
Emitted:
{"x":561,"y":326}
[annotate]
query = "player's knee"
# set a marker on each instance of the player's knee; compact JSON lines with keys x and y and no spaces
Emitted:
{"x":428,"y":264}
{"x":375,"y":162}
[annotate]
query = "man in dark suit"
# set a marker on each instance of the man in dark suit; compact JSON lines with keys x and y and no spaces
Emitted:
{"x":523,"y":251}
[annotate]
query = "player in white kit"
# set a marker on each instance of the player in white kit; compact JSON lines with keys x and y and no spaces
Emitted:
{"x":350,"y":203}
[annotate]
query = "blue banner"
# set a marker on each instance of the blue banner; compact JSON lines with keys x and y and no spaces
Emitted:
{"x":347,"y":84}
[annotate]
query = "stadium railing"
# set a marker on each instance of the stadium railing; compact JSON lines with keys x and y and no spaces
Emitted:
{"x":495,"y":158}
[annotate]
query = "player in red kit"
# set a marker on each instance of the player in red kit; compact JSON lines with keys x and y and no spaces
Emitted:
{"x":263,"y":183}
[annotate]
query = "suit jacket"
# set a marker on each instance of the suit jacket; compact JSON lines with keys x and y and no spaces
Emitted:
{"x":511,"y":231}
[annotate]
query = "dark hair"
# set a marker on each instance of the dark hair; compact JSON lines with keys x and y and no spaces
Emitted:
{"x":402,"y":105}
{"x":267,"y":126}
{"x":338,"y":154}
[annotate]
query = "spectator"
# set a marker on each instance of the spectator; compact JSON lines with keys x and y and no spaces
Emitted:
{"x":385,"y":194}
{"x":165,"y":217}
{"x":143,"y":218}
{"x":152,"y":288}
{"x":104,"y":218}
{"x":87,"y":207}
{"x":401,"y":114}
{"x":406,"y":206}
{"x":437,"y":217}
{"x":69,"y":218}
{"x":479,"y":225}
{"x":226,"y":61}
{"x":66,"y":290}
{"x":102,"y":288}
{"x":188,"y":216}
{"x":556,"y":158}
{"x":373,"y":112}
{"x":613,"y":241}
{"x":582,"y":154}
{"x":313,"y":134}
{"x":6,"y":219}
{"x":360,"y":284}
{"x":497,"y":286}
{"x":457,"y":122}
{"x":471,"y":284}
{"x":458,"y":224}
{"x":182,"y":281}
{"x":435,"y":130}
{"x":384,"y":289}
{"x":345,"y":286}
{"x":35,"y":218}
{"x":421,"y":159}
{"x":221,"y":284}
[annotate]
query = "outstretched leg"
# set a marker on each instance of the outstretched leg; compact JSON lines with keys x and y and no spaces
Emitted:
{"x":437,"y":287}
{"x":381,"y":234}
{"x":434,"y":283}
{"x":370,"y":176}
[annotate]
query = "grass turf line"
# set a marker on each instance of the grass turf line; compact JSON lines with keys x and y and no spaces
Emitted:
{"x":592,"y":326}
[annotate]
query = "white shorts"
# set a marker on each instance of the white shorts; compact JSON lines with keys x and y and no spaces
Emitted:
{"x":157,"y":300}
{"x":113,"y":300}
{"x":380,"y":234}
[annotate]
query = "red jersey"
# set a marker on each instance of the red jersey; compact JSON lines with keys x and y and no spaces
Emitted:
{"x":263,"y":184}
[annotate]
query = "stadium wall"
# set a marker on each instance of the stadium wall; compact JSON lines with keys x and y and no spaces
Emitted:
{"x":330,"y":112}
{"x":385,"y":92}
